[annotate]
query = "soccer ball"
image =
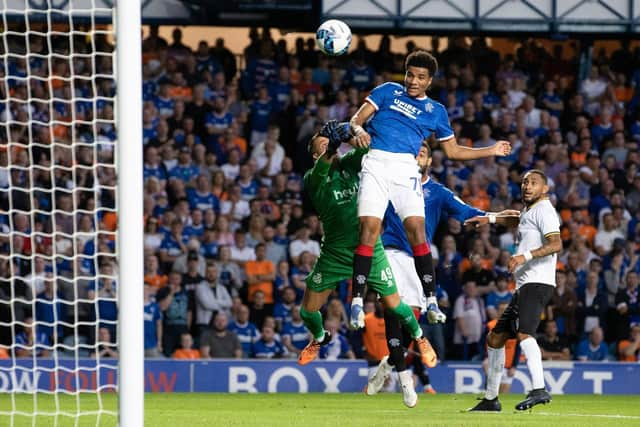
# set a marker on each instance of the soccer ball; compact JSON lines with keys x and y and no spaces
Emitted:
{"x":333,"y":37}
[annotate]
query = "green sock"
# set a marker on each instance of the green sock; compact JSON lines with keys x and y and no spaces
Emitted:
{"x":405,"y":314}
{"x":313,"y":321}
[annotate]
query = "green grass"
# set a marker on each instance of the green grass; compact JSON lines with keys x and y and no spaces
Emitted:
{"x":348,"y":409}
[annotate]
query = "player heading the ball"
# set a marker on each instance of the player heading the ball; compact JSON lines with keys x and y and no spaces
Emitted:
{"x":398,"y":119}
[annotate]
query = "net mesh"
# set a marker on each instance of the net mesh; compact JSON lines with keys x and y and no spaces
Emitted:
{"x":58,"y":267}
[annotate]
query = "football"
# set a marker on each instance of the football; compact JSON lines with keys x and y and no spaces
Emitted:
{"x":333,"y":37}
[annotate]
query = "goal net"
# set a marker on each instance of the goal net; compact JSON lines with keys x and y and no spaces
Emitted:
{"x":61,"y":297}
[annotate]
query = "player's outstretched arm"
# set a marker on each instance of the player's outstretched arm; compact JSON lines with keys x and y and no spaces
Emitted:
{"x":507,"y":217}
{"x":361,"y":138}
{"x":459,"y":152}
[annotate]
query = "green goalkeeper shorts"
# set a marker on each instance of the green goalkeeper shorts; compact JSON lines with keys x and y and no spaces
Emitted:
{"x":336,"y":264}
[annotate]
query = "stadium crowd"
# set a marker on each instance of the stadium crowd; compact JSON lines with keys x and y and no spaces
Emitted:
{"x":229,"y":237}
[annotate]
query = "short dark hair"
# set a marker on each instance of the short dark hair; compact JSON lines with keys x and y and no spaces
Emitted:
{"x":423,"y":59}
{"x":538,"y":172}
{"x":425,"y":144}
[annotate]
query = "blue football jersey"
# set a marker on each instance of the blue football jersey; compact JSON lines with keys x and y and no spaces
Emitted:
{"x":401,"y":122}
{"x":438,"y":199}
{"x":152,"y":314}
{"x":247,"y":334}
{"x":282,"y":312}
{"x":298,"y":334}
{"x":271,"y":350}
{"x":203,"y":201}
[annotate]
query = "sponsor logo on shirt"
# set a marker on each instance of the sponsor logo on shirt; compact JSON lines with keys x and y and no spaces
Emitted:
{"x":346,"y":194}
{"x":405,"y":108}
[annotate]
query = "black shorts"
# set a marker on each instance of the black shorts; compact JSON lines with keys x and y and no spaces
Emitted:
{"x":524,"y":310}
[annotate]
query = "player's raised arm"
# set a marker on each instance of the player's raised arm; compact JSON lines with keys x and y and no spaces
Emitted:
{"x":362,"y":138}
{"x":459,"y":152}
{"x":507,"y":217}
{"x":323,"y":147}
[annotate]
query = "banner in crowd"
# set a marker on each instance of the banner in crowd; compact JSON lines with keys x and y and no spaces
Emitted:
{"x":251,"y":376}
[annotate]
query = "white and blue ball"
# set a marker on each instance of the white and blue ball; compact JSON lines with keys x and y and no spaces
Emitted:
{"x":333,"y":37}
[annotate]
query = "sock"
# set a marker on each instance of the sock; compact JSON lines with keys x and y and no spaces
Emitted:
{"x":406,"y":378}
{"x":313,"y":321}
{"x":393,"y":333}
{"x":531,"y":351}
{"x":362,"y":259}
{"x":424,"y":266}
{"x":494,"y":372}
{"x":405,"y":314}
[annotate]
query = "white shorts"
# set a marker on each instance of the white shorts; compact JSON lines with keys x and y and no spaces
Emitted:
{"x":407,"y":280}
{"x":390,"y":177}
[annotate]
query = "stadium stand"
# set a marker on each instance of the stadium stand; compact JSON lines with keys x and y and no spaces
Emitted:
{"x":225,"y":149}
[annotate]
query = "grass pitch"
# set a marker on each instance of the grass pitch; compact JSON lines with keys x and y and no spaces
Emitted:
{"x":347,"y":409}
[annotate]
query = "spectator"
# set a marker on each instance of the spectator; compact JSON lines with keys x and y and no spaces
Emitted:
{"x":29,"y":341}
{"x":282,"y":280}
{"x":218,"y":342}
{"x":483,"y":277}
{"x":269,"y":154}
{"x":282,"y":310}
{"x":240,"y":252}
{"x":267,"y":347}
{"x":469,"y":315}
{"x":152,"y":325}
{"x":186,"y":350}
{"x":627,"y":304}
{"x":246,"y":331}
{"x":259,"y":310}
{"x":229,"y":274}
{"x":303,"y":243}
{"x":562,"y":307}
{"x":295,"y":335}
{"x":629,"y":349}
{"x":173,"y":245}
{"x":260,"y":275}
{"x":275,"y":252}
{"x":552,"y":345}
{"x":591,"y":306}
{"x":211,"y":298}
{"x":500,"y":295}
{"x":190,"y":260}
{"x":153,"y":276}
{"x":606,"y":235}
{"x":593,"y":349}
{"x":338,"y":347}
{"x":106,"y":346}
{"x":300,"y":272}
{"x":177,"y":312}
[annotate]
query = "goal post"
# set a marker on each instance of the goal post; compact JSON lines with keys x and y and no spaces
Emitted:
{"x":130,"y":215}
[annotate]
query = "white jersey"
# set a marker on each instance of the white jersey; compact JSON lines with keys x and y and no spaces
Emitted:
{"x":536,"y":223}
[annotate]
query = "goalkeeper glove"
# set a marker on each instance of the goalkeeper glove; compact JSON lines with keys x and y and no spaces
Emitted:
{"x":337,"y":133}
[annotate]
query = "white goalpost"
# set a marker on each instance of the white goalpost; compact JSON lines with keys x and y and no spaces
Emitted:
{"x":71,"y":215}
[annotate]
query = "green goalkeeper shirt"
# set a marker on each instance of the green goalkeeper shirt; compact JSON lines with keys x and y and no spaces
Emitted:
{"x":333,"y":190}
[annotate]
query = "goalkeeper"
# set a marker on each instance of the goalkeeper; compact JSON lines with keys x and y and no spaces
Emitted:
{"x":332,"y":185}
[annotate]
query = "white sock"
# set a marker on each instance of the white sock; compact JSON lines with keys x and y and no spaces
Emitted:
{"x":494,"y":372}
{"x":432,"y":300}
{"x":534,"y":361}
{"x":406,"y":377}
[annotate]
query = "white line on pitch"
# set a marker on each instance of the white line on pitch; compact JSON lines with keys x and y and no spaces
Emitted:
{"x":560,"y":414}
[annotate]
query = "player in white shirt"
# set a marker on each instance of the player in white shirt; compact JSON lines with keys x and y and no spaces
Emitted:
{"x":534,"y":269}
